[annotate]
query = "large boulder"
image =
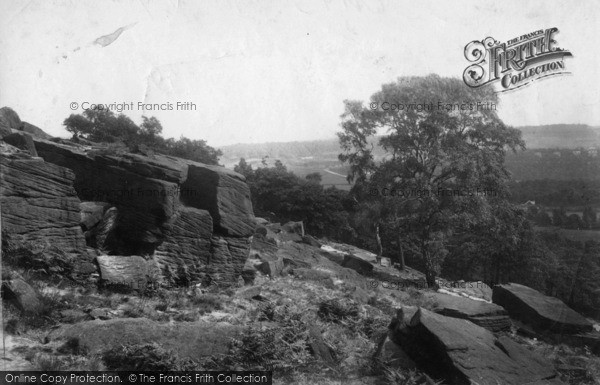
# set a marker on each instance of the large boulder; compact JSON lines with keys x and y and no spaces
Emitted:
{"x":357,"y":264}
{"x":21,"y":295}
{"x":389,"y":354}
{"x":460,"y":352}
{"x":193,"y":340}
{"x":541,"y":312}
{"x":132,"y":272}
{"x":9,"y":120}
{"x":488,"y":315}
{"x":34,"y":131}
{"x":22,"y":141}
{"x":39,"y":204}
{"x":103,"y":235}
{"x":92,"y":213}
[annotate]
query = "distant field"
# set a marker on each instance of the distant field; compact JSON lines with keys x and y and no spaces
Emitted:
{"x":328,"y":178}
{"x":574,"y":235}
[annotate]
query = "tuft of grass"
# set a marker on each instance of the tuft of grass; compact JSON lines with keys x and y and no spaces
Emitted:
{"x":47,"y":363}
{"x":395,"y":376}
{"x":338,"y":311}
{"x":145,"y":357}
{"x":281,"y":348}
{"x":73,"y":346}
{"x":416,"y":297}
{"x":207,"y":303}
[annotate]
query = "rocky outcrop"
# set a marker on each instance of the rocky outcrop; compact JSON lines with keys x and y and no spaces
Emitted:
{"x":194,"y":218}
{"x":488,"y":315}
{"x":34,"y":131}
{"x":460,"y":352}
{"x":541,"y":312}
{"x":39,"y":204}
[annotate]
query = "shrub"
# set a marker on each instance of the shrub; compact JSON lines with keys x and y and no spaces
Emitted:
{"x":72,"y":346}
{"x":47,"y":363}
{"x":338,"y":311}
{"x":279,"y":348}
{"x":207,"y":303}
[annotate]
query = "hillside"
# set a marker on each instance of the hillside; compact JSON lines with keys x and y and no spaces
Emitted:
{"x":569,"y":136}
{"x":557,"y":152}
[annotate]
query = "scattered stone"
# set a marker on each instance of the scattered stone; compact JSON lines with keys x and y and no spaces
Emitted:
{"x":461,"y":352}
{"x":332,"y":256}
{"x":101,"y":314}
{"x":272,"y":268}
{"x":310,"y":274}
{"x":260,"y":221}
{"x":263,"y":248}
{"x":543,"y":313}
{"x":312,"y":241}
{"x":23,"y":296}
{"x":294,"y":227}
{"x":248,"y":275}
{"x":357,"y":264}
{"x":73,"y":316}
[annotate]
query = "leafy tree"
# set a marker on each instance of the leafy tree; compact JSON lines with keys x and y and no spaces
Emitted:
{"x":559,"y":217}
{"x":314,"y":177}
{"x":196,"y":150}
{"x":574,"y":222}
{"x":448,"y":162}
{"x":244,"y":168}
{"x":105,"y":127}
{"x":543,"y":219}
{"x":283,"y":196}
{"x":589,"y":217}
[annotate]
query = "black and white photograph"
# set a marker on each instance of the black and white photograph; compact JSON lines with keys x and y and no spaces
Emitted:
{"x":296,"y":192}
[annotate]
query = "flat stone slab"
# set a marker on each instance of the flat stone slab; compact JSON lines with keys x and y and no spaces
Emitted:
{"x":488,"y":315}
{"x":462,"y":353}
{"x":541,"y":312}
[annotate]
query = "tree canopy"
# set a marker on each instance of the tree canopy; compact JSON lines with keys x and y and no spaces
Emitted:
{"x":444,"y":159}
{"x":104,"y":126}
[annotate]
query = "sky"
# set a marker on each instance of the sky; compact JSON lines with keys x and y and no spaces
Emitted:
{"x":273,"y":71}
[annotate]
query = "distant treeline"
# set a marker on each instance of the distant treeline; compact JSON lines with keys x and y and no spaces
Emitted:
{"x":557,"y":164}
{"x":557,"y":193}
